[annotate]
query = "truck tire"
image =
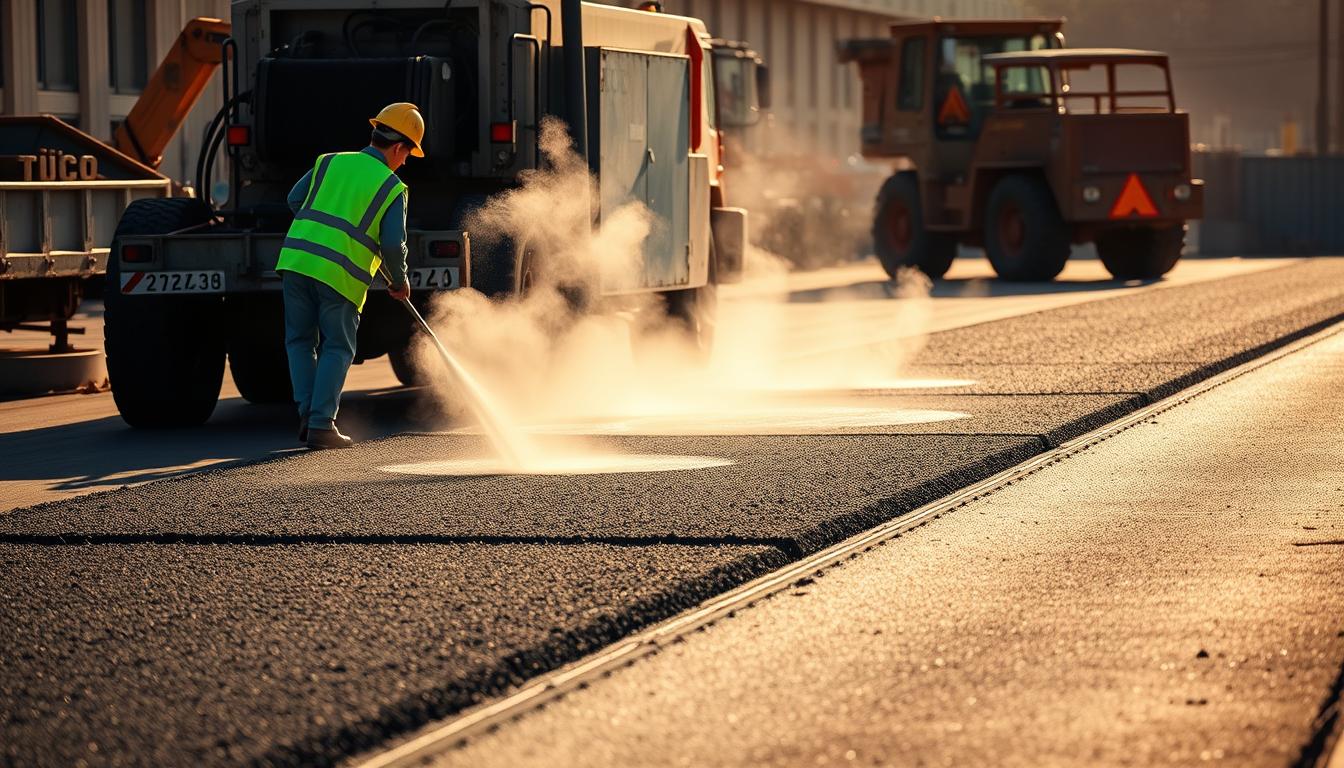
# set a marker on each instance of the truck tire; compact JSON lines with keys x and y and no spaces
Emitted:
{"x":899,"y":236}
{"x":1025,"y":237}
{"x":693,"y":313}
{"x":503,"y":269}
{"x":257,"y":357}
{"x":404,"y":366}
{"x":165,"y":354}
{"x":1140,"y":253}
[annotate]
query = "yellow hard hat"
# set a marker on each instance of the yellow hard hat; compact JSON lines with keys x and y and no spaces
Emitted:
{"x":404,"y":118}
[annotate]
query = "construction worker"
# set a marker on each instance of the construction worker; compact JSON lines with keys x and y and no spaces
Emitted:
{"x":652,"y":6}
{"x":349,"y":216}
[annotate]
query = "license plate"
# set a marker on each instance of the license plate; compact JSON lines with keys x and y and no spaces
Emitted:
{"x":202,"y":281}
{"x":433,"y":278}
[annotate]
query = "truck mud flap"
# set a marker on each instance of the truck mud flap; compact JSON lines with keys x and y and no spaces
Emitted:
{"x":729,"y":226}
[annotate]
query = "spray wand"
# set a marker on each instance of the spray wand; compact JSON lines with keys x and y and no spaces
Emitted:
{"x":476,"y":400}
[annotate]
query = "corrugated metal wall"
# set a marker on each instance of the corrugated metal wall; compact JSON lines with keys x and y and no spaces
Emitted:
{"x":1293,"y":205}
{"x":1256,"y":205}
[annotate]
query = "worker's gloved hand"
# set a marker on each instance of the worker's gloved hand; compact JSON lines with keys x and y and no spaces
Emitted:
{"x":399,"y":292}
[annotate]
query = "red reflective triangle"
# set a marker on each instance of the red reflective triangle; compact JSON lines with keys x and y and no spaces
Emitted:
{"x":1133,"y":201}
{"x":954,"y":109}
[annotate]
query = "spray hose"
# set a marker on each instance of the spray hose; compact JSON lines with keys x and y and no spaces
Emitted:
{"x":488,"y":419}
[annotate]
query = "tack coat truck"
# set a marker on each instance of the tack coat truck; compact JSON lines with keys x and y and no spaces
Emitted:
{"x":189,"y":286}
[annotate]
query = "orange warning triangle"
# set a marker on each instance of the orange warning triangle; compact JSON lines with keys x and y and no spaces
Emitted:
{"x":1133,"y":201}
{"x":954,"y":109}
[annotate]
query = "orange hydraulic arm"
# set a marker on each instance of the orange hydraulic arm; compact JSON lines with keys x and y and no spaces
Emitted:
{"x":172,"y":91}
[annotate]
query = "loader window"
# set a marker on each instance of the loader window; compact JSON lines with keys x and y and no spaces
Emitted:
{"x":1087,"y":88}
{"x":911,"y":95}
{"x":1026,"y":87}
{"x":1141,"y":88}
{"x":966,"y":82}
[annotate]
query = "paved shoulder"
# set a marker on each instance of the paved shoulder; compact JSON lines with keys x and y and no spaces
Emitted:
{"x":1168,"y":597}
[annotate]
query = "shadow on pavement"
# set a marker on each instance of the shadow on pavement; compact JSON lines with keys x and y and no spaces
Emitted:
{"x":105,"y":453}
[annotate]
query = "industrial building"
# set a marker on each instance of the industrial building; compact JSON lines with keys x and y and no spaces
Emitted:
{"x":87,"y":60}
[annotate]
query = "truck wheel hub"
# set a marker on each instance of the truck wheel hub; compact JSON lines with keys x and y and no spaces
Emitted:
{"x":899,"y":226}
{"x":1012,"y":229}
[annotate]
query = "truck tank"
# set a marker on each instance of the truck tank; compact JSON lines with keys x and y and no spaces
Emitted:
{"x":303,"y":78}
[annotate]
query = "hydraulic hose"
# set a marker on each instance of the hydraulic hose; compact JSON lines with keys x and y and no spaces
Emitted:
{"x":205,"y":161}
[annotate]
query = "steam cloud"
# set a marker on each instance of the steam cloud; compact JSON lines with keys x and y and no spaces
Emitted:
{"x":547,"y":359}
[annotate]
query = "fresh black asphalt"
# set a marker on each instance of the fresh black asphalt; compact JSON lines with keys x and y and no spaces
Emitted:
{"x":296,"y":610}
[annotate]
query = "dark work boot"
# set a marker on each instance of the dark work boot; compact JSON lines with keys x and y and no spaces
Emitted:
{"x":322,"y":439}
{"x":303,"y":427}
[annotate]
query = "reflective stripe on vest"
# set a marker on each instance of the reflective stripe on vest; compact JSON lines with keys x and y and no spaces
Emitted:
{"x":334,"y":237}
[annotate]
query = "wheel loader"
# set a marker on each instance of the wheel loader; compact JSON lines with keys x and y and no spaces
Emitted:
{"x":1004,"y":139}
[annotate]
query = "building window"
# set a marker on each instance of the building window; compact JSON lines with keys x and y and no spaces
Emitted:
{"x":57,"y":45}
{"x":127,"y":45}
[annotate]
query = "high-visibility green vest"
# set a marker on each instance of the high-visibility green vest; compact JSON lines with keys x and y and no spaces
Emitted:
{"x":334,"y":237}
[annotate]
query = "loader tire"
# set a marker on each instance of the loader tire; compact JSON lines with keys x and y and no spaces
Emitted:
{"x":899,"y":236}
{"x":1140,"y":253}
{"x":1026,"y":239}
{"x":257,"y":357}
{"x":165,"y":354}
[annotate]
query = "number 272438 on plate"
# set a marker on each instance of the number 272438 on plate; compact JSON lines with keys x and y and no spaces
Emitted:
{"x":197,"y":281}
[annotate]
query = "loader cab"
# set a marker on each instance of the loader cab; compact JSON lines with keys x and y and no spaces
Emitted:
{"x":928,"y":88}
{"x":965,"y":83}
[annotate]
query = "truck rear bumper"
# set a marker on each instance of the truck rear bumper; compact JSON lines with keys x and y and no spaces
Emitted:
{"x":245,"y":261}
{"x":1114,"y":199}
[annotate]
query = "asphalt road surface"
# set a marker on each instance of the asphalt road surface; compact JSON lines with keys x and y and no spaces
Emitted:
{"x":312,"y":606}
{"x":1169,"y":596}
{"x":812,"y":310}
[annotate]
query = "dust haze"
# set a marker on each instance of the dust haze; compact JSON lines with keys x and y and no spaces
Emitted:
{"x":554,"y":366}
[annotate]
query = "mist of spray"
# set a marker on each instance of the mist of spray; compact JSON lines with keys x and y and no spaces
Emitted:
{"x":549,"y":362}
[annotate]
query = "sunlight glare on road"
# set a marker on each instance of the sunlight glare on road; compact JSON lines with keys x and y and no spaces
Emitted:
{"x":580,"y":464}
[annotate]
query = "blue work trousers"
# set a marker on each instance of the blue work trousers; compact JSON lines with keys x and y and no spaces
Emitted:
{"x":321,"y":327}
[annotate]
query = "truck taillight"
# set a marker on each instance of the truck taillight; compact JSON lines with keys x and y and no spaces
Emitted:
{"x":1181,"y":193}
{"x":445,"y":249}
{"x":137,"y":254}
{"x":502,"y":133}
{"x":239,"y":135}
